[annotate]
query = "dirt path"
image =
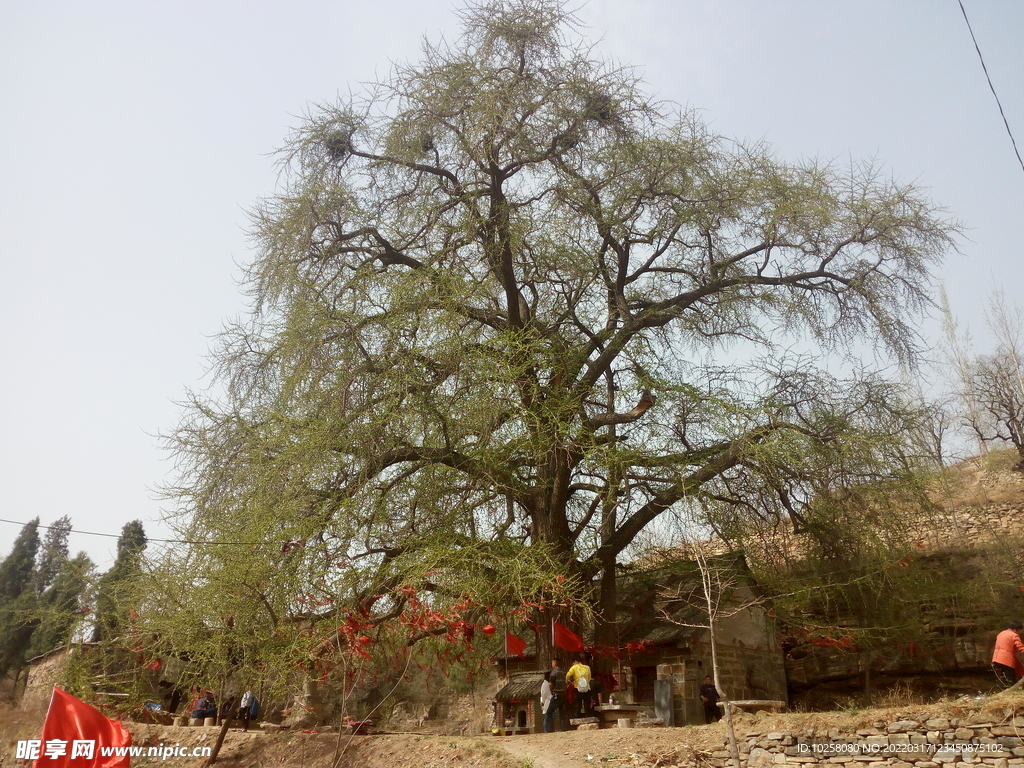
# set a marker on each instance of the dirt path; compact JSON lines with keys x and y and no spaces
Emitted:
{"x":613,"y":747}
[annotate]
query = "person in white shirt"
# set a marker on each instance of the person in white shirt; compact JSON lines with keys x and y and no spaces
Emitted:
{"x":545,"y":702}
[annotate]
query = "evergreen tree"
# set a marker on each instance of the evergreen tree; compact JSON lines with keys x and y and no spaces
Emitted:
{"x":17,"y":599}
{"x":111,"y":611}
{"x":53,"y":553}
{"x":60,"y":606}
{"x":16,"y":569}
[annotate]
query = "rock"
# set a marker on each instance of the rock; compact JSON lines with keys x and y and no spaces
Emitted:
{"x":587,"y":727}
{"x":901,"y":726}
{"x":963,"y":734}
{"x":271,"y":728}
{"x":300,"y":719}
{"x":774,"y":736}
{"x":937,"y":724}
{"x":760,"y":758}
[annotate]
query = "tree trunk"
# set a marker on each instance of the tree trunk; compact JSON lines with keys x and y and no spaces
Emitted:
{"x":866,"y":691}
{"x":605,"y":626}
{"x":730,"y":729}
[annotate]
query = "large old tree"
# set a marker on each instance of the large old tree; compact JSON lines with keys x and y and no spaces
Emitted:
{"x":507,"y":309}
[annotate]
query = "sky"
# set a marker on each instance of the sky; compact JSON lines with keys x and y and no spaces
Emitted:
{"x":135,"y":136}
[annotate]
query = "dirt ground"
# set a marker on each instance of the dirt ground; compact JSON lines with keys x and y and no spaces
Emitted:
{"x":615,"y":748}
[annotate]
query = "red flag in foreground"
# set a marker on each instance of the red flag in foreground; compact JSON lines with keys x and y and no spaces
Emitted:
{"x":563,"y":637}
{"x":514,"y":645}
{"x":74,"y":735}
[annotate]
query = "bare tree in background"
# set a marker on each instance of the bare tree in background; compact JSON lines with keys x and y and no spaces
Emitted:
{"x":993,"y":385}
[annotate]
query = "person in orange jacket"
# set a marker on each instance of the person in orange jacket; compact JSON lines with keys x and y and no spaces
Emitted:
{"x":1005,"y":663}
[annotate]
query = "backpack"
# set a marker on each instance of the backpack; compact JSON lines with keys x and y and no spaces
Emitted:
{"x":582,"y":684}
{"x":254,"y":708}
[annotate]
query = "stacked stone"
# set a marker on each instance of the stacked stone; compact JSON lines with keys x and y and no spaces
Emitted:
{"x":933,"y":743}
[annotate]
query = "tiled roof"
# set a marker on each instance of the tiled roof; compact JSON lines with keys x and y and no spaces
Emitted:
{"x":521,"y":685}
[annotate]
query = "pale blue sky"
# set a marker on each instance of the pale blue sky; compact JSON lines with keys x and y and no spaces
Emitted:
{"x":135,"y":135}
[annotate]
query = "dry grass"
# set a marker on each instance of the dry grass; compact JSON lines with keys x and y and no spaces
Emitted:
{"x":980,"y":481}
{"x":17,"y":725}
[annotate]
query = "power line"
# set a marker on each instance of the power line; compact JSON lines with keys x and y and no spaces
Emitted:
{"x":990,"y":86}
{"x":160,"y":541}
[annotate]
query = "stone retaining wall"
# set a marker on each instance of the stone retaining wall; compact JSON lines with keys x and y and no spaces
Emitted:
{"x":939,"y":742}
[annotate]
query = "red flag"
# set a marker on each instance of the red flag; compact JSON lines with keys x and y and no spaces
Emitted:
{"x":514,"y":645}
{"x":563,"y":637}
{"x":75,"y":735}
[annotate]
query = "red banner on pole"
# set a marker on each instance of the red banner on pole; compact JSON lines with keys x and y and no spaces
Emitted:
{"x":76,"y":735}
{"x":514,"y":645}
{"x":565,"y":638}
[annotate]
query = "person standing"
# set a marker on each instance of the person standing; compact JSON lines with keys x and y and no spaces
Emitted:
{"x":1005,"y":663}
{"x":579,"y":676}
{"x":545,"y":700}
{"x":709,"y":698}
{"x":248,"y":708}
{"x":557,"y":705}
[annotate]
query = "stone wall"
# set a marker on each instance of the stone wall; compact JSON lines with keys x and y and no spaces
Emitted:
{"x":744,"y":673}
{"x":932,"y":742}
{"x":975,"y":526}
{"x":42,"y":675}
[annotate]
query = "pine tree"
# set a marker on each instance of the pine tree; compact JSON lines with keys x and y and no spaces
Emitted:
{"x":114,"y":584}
{"x":17,"y":600}
{"x":60,"y":606}
{"x":16,"y":569}
{"x":53,"y":553}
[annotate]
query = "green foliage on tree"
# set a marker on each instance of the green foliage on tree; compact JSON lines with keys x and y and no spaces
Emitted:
{"x":509,"y":311}
{"x":116,"y":587}
{"x":16,"y":569}
{"x":41,"y":594}
{"x":53,"y":553}
{"x":18,"y":600}
{"x":61,"y":606}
